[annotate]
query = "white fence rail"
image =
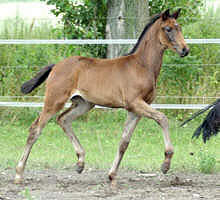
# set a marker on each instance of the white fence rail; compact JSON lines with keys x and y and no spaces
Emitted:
{"x":100,"y":41}
{"x":158,"y":106}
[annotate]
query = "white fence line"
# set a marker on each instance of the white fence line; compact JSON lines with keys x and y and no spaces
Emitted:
{"x":102,"y":41}
{"x":158,"y":106}
{"x":99,"y":41}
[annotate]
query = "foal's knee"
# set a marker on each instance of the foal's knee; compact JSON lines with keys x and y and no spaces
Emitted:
{"x":162,"y":120}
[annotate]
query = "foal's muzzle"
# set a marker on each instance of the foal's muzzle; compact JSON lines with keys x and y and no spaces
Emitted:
{"x":184,"y":52}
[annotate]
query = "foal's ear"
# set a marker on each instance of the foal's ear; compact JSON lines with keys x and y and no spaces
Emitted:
{"x":176,"y":14}
{"x":166,"y":15}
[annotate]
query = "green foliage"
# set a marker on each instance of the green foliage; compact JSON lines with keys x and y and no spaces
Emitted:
{"x":191,"y":9}
{"x":83,"y":20}
{"x":207,"y":162}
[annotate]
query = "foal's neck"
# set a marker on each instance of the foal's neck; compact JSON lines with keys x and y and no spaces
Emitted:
{"x":150,"y":52}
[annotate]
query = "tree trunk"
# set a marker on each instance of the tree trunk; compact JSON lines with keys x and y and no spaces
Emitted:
{"x":126,"y":20}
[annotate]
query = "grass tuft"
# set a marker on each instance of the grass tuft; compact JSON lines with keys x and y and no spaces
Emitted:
{"x":207,"y":162}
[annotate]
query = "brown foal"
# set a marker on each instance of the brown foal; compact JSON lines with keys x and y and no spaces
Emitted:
{"x":127,"y":82}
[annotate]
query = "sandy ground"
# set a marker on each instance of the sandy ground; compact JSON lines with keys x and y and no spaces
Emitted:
{"x":93,"y":184}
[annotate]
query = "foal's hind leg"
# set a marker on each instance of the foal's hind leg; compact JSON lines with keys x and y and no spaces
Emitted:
{"x":130,"y":125}
{"x":35,"y":131}
{"x":79,"y":107}
{"x":54,"y":101}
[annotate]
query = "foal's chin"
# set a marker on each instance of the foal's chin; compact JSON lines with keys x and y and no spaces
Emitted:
{"x":182,"y":55}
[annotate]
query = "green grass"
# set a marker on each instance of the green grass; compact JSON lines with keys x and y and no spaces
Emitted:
{"x":99,"y":132}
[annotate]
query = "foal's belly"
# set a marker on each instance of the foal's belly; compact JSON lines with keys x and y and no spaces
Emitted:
{"x":106,"y":100}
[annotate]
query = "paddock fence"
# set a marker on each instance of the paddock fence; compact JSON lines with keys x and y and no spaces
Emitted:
{"x":100,"y":42}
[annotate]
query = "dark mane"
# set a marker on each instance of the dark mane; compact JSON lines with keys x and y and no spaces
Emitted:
{"x":147,"y":27}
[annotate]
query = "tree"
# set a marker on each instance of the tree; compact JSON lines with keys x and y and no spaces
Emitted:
{"x":112,"y":19}
{"x":126,"y":19}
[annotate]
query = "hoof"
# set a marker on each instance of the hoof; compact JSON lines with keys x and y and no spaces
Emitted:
{"x":79,"y":168}
{"x":114,"y":185}
{"x":113,"y":182}
{"x":165,"y":167}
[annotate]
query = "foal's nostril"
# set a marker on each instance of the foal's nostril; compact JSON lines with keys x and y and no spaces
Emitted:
{"x":185,"y":52}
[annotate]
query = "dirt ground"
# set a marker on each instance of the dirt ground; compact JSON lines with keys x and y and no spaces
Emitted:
{"x":93,"y":184}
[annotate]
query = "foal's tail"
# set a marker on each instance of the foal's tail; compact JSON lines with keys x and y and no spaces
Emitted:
{"x":39,"y":78}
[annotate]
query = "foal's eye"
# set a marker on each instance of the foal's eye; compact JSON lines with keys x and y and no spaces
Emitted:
{"x":167,"y":29}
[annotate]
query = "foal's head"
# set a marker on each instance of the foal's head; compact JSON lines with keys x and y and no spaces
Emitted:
{"x":170,"y":34}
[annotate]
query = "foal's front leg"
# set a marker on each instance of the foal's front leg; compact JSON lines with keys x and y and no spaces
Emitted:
{"x":130,"y":125}
{"x":141,"y":108}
